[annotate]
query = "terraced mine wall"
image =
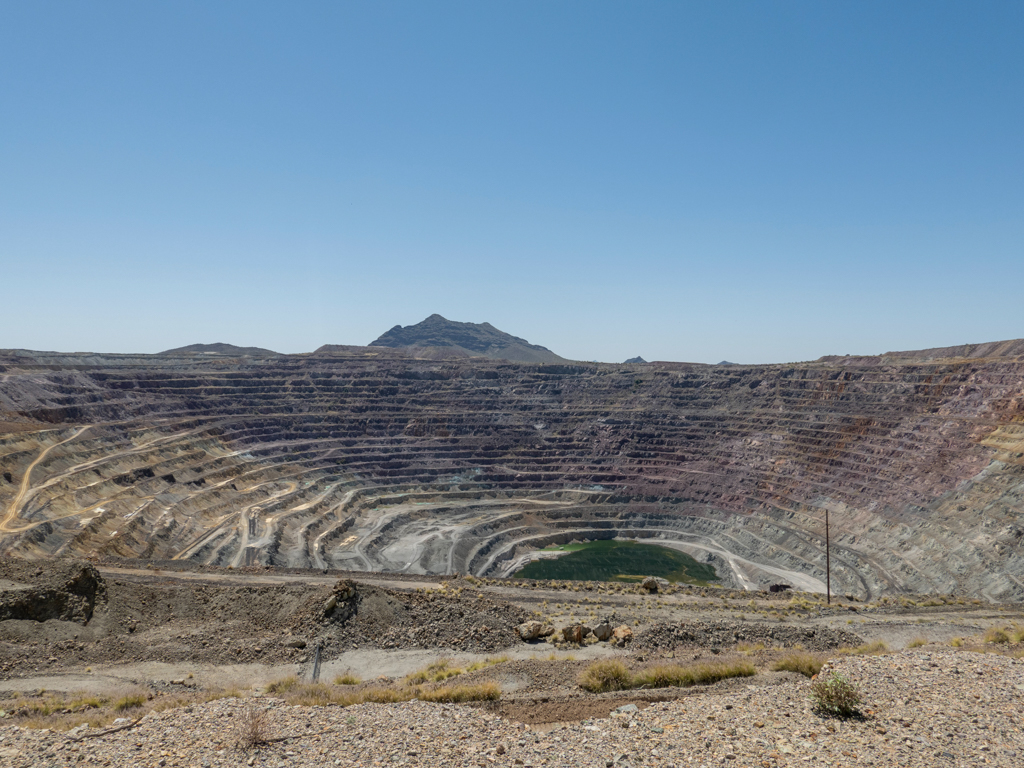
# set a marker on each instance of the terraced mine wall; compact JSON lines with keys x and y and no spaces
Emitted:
{"x":366,"y":460}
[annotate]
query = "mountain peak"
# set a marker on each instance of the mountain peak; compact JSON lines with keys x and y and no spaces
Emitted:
{"x":472,"y":339}
{"x":220,"y":348}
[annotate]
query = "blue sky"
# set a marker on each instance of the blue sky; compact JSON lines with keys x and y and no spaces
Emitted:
{"x":751,"y":181}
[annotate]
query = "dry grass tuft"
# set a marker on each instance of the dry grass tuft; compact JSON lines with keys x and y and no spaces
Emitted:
{"x":457,"y":694}
{"x":996,"y":635}
{"x":437,"y":672}
{"x":323,"y":695}
{"x":490,"y":661}
{"x":613,"y":675}
{"x":59,"y":713}
{"x":806,"y":664}
{"x":131,"y":701}
{"x":1003,"y":635}
{"x":314,"y":695}
{"x":382,"y":696}
{"x":605,"y":675}
{"x":674,"y":675}
{"x":283,"y":685}
{"x":868,"y":649}
{"x":347,"y":679}
{"x":917,"y":642}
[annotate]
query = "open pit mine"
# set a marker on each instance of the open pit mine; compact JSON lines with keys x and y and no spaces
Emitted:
{"x":384,"y":459}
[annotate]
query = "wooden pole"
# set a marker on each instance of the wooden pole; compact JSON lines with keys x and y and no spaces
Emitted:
{"x":828,"y":564}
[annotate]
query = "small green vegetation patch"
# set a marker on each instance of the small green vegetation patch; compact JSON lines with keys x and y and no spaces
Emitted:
{"x":627,"y":561}
{"x":835,"y":696}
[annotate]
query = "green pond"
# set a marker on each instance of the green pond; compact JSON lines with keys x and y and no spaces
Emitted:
{"x":613,"y":560}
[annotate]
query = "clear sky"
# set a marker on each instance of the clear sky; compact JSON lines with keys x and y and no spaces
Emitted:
{"x":751,"y":181}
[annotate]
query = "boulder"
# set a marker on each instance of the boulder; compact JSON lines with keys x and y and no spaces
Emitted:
{"x":573,"y":633}
{"x":530,"y":630}
{"x":603,"y":631}
{"x":650,"y":584}
{"x":621,"y":635}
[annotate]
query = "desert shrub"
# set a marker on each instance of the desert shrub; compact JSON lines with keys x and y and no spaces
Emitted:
{"x":917,"y":642}
{"x":835,"y":696}
{"x":347,"y":679}
{"x":957,"y":642}
{"x":806,"y":664}
{"x":252,"y":729}
{"x":455,"y":694}
{"x":605,"y":675}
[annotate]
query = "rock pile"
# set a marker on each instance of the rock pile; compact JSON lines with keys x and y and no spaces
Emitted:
{"x":576,"y":634}
{"x":359,"y":615}
{"x":699,"y":634}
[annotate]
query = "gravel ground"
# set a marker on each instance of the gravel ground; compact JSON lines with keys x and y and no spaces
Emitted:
{"x":920,"y":709}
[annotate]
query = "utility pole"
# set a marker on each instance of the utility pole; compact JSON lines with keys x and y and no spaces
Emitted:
{"x":828,"y":564}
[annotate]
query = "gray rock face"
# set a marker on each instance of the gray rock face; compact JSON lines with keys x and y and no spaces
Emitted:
{"x":69,"y":594}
